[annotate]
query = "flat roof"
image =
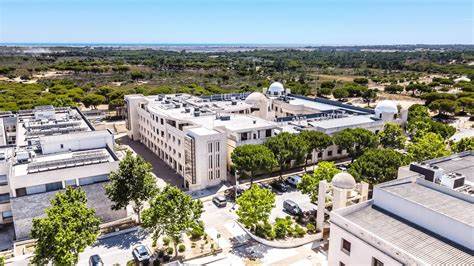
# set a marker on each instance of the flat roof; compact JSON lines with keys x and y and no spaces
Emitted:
{"x":352,"y":120}
{"x":410,"y":238}
{"x":435,"y":200}
{"x":457,"y":163}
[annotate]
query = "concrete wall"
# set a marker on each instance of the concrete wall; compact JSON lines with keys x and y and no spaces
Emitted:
{"x":76,"y":142}
{"x":361,"y":252}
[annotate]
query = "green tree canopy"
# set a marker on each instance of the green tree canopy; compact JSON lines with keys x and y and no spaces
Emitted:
{"x":377,"y":165}
{"x":315,"y":140}
{"x":340,"y":93}
{"x":93,"y":100}
{"x":464,"y":144}
{"x":444,"y":106}
{"x":255,"y":206}
{"x":310,"y":182}
{"x":355,"y":141}
{"x":393,"y":88}
{"x":251,"y":158}
{"x":133,"y":182}
{"x":428,"y":146}
{"x":171,"y":213}
{"x":369,"y":96}
{"x":68,"y":228}
{"x":287,"y":147}
{"x":418,"y":111}
{"x":392,"y":136}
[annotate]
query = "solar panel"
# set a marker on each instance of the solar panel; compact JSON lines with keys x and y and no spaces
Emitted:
{"x":77,"y":159}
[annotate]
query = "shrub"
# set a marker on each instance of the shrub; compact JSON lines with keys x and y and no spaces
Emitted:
{"x":280,"y":228}
{"x":197,"y":231}
{"x":166,"y":241}
{"x":169,"y":250}
{"x":299,"y":231}
{"x":181,"y":248}
{"x":311,"y":228}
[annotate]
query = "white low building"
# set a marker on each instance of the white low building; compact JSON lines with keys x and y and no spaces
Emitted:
{"x":424,"y":218}
{"x":53,"y":148}
{"x":195,"y":136}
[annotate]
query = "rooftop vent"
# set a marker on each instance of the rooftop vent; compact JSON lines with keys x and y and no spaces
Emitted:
{"x":234,"y":102}
{"x":453,"y":180}
{"x":187,"y":110}
{"x":197,"y":113}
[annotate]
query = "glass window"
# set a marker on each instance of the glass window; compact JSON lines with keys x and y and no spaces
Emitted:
{"x":5,"y":198}
{"x":209,"y":147}
{"x":7,"y":214}
{"x":376,"y":262}
{"x":54,"y":186}
{"x":346,"y":246}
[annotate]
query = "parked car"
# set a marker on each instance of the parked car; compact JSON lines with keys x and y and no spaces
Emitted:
{"x":291,"y":207}
{"x":265,"y":186}
{"x":95,"y":260}
{"x":141,"y":254}
{"x":230,"y":192}
{"x":293,"y":180}
{"x":220,"y":201}
{"x":280,"y":186}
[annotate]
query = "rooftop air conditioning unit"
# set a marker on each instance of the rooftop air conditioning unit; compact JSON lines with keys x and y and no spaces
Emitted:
{"x":197,"y":113}
{"x":453,"y":180}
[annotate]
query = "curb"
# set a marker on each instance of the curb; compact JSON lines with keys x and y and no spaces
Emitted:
{"x":125,"y":231}
{"x":272,"y":244}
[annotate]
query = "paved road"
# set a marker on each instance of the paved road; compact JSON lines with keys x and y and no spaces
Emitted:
{"x":116,"y":249}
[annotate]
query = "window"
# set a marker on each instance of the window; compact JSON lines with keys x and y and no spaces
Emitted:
{"x":210,"y":161}
{"x":209,"y":147}
{"x":20,"y":191}
{"x":346,"y":246}
{"x":339,"y":151}
{"x":54,"y":186}
{"x":376,"y":262}
{"x":329,"y":153}
{"x":342,"y":263}
{"x":320,"y":155}
{"x":62,"y":146}
{"x":243,"y":136}
{"x":4,"y":198}
{"x":268,"y":133}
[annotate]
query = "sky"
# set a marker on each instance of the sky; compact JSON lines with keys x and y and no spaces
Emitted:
{"x":308,"y":22}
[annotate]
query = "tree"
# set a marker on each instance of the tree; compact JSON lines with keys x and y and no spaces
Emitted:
{"x":68,"y":228}
{"x":93,"y":100}
{"x":464,"y":144}
{"x":340,"y":93}
{"x":310,"y":182}
{"x":171,"y":213}
{"x":417,"y":111}
{"x":251,"y":158}
{"x":392,"y":136}
{"x":377,"y":165}
{"x":466,"y":104}
{"x":443,"y":106}
{"x":133,"y":182}
{"x":355,"y":141}
{"x":428,"y":146}
{"x":287,"y":147}
{"x":361,"y":81}
{"x":369,"y":96}
{"x":393,"y":89}
{"x":316,"y":141}
{"x":255,"y":206}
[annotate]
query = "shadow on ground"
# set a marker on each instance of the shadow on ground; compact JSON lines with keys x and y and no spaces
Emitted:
{"x":160,"y":169}
{"x":124,"y":241}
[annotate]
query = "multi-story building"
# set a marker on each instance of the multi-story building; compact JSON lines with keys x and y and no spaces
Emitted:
{"x":426,"y":217}
{"x":51,"y":148}
{"x":195,"y":136}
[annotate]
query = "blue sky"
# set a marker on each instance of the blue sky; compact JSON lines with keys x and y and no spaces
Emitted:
{"x":320,"y":22}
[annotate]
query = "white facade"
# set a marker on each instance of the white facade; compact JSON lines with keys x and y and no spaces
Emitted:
{"x":176,"y":125}
{"x":53,"y":148}
{"x":409,"y":221}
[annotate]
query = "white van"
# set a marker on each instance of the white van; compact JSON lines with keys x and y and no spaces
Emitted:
{"x":293,"y":180}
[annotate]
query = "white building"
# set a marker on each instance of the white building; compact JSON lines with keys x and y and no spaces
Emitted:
{"x":52,"y":148}
{"x":423,"y":218}
{"x":195,"y":136}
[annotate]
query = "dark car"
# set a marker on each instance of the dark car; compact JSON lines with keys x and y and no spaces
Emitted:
{"x":280,"y":186}
{"x":230,"y":192}
{"x":291,"y":207}
{"x":95,"y":260}
{"x":220,"y":201}
{"x":141,"y":254}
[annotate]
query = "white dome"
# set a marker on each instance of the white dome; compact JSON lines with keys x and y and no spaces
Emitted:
{"x":276,"y":88}
{"x":343,"y":180}
{"x":386,"y":106}
{"x":255,"y":98}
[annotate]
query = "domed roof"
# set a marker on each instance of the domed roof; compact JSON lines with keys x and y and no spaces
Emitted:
{"x":276,"y":87}
{"x":255,"y":98}
{"x":343,"y":180}
{"x":386,"y":106}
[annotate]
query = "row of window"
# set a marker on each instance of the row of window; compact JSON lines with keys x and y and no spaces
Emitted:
{"x":256,"y":135}
{"x":346,"y":248}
